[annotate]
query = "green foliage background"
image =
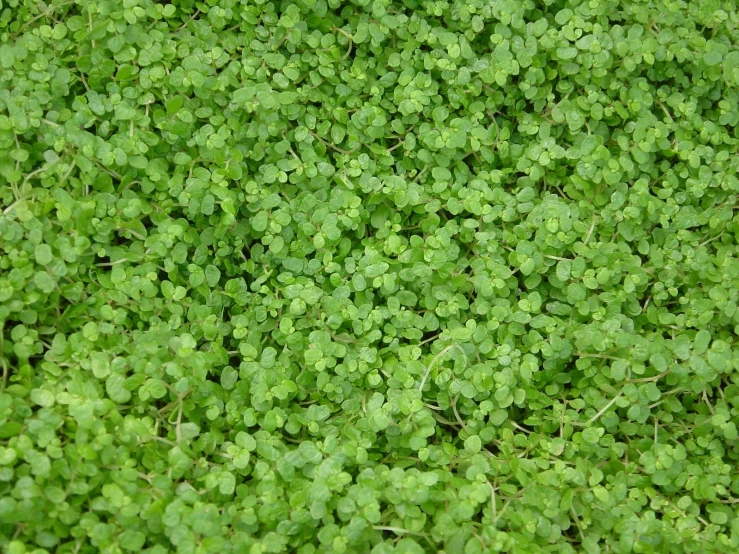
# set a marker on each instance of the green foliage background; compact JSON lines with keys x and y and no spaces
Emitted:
{"x":369,"y":276}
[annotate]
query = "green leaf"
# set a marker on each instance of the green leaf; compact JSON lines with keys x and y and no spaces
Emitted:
{"x":701,"y":342}
{"x":259,"y":221}
{"x":592,"y":434}
{"x":712,"y":57}
{"x":43,"y":254}
{"x":566,"y":53}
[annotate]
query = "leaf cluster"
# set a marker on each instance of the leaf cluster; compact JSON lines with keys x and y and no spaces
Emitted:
{"x":387,"y":276}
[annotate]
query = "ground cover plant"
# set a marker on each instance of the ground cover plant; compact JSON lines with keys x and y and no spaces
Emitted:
{"x":369,"y":276}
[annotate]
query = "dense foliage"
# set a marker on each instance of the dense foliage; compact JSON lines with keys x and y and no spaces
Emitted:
{"x":369,"y":276}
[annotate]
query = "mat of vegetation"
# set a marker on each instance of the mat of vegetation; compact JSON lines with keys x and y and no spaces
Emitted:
{"x":374,"y":276}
